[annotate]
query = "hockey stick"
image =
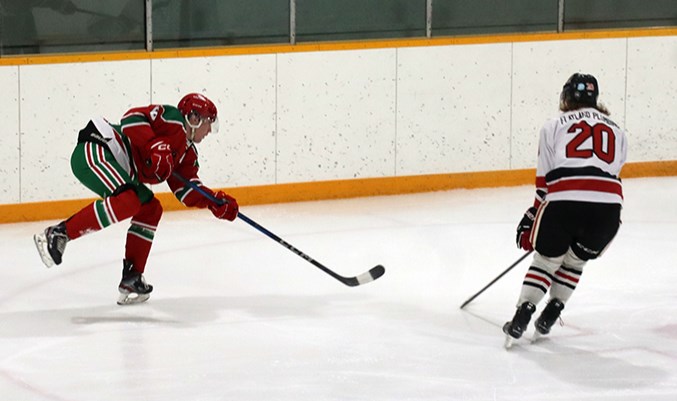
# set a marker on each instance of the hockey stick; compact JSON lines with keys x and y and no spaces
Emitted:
{"x":496,"y":279}
{"x":371,"y":275}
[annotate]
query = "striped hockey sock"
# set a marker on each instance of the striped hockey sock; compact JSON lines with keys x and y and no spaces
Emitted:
{"x":536,"y":284}
{"x":566,"y":277}
{"x":141,"y":233}
{"x":102,"y":213}
{"x":538,"y":279}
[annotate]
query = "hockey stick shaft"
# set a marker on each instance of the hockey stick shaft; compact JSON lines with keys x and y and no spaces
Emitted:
{"x":496,"y":279}
{"x":363,"y":278}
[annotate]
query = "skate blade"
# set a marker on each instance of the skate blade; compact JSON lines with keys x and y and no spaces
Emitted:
{"x":41,"y":244}
{"x":132,"y":298}
{"x":509,"y":341}
{"x":538,"y":337}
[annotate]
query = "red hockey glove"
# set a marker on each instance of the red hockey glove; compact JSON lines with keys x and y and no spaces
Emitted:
{"x":228,"y":210}
{"x":159,"y":163}
{"x":524,"y":229}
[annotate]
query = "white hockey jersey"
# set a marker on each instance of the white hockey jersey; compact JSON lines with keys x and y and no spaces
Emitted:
{"x":580,"y":156}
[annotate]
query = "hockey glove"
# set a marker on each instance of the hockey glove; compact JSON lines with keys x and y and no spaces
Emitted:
{"x":159,"y":163}
{"x":524,"y":229}
{"x":228,"y":210}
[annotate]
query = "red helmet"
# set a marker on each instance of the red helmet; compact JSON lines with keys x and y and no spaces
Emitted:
{"x":195,"y":103}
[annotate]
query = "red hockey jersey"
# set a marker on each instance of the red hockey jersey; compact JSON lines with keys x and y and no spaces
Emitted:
{"x":142,"y":126}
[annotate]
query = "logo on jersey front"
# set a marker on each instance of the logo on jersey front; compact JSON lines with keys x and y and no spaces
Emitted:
{"x":154,"y":112}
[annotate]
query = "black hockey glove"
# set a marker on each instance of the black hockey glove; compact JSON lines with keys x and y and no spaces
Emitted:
{"x":524,"y":229}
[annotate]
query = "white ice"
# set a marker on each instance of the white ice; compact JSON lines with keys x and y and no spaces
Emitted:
{"x":235,"y":316}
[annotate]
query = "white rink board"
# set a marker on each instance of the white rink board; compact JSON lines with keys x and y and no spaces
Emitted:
{"x":9,"y":137}
{"x":57,"y":100}
{"x":336,"y":115}
{"x":300,"y":117}
{"x":453,"y":110}
{"x":652,"y":98}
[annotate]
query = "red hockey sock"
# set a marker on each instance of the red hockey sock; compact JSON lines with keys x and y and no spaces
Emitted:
{"x":102,"y":213}
{"x":141,"y":233}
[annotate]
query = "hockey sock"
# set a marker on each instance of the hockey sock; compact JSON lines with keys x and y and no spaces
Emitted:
{"x":566,"y":277}
{"x":102,"y":213}
{"x":141,"y":234}
{"x":538,"y":279}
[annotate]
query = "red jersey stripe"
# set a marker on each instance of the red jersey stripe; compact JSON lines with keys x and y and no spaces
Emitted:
{"x":582,"y":184}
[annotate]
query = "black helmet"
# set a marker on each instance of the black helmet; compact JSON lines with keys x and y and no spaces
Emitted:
{"x":581,"y":89}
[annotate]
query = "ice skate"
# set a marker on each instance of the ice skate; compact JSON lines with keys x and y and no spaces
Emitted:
{"x":51,"y":244}
{"x":537,"y":337}
{"x":133,"y":288}
{"x":549,"y":316}
{"x":515,"y":328}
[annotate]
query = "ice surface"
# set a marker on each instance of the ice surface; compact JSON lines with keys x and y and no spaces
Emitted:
{"x":235,"y":316}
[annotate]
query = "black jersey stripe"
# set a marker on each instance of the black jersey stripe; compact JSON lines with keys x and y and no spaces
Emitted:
{"x":589,"y":171}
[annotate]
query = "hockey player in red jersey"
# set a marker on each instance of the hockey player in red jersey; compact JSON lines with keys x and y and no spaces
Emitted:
{"x":116,"y":161}
{"x":578,"y":202}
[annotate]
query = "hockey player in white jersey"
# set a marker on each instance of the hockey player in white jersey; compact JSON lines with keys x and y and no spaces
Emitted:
{"x":578,"y":202}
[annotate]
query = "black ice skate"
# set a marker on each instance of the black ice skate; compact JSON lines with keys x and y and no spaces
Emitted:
{"x":515,"y":328}
{"x":133,"y":288}
{"x":549,"y":316}
{"x":51,"y":244}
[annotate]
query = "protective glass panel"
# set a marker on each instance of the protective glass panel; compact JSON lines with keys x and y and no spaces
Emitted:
{"x":599,"y":14}
{"x":61,"y":26}
{"x":192,"y":23}
{"x":471,"y":17}
{"x":322,"y":20}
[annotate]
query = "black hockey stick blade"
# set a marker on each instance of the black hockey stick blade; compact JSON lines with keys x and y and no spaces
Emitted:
{"x":364,"y":278}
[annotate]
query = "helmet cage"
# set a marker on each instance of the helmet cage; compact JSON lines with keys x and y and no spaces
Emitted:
{"x":194,"y":115}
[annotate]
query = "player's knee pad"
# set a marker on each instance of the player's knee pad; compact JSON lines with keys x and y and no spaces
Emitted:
{"x":571,"y":260}
{"x":549,"y":264}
